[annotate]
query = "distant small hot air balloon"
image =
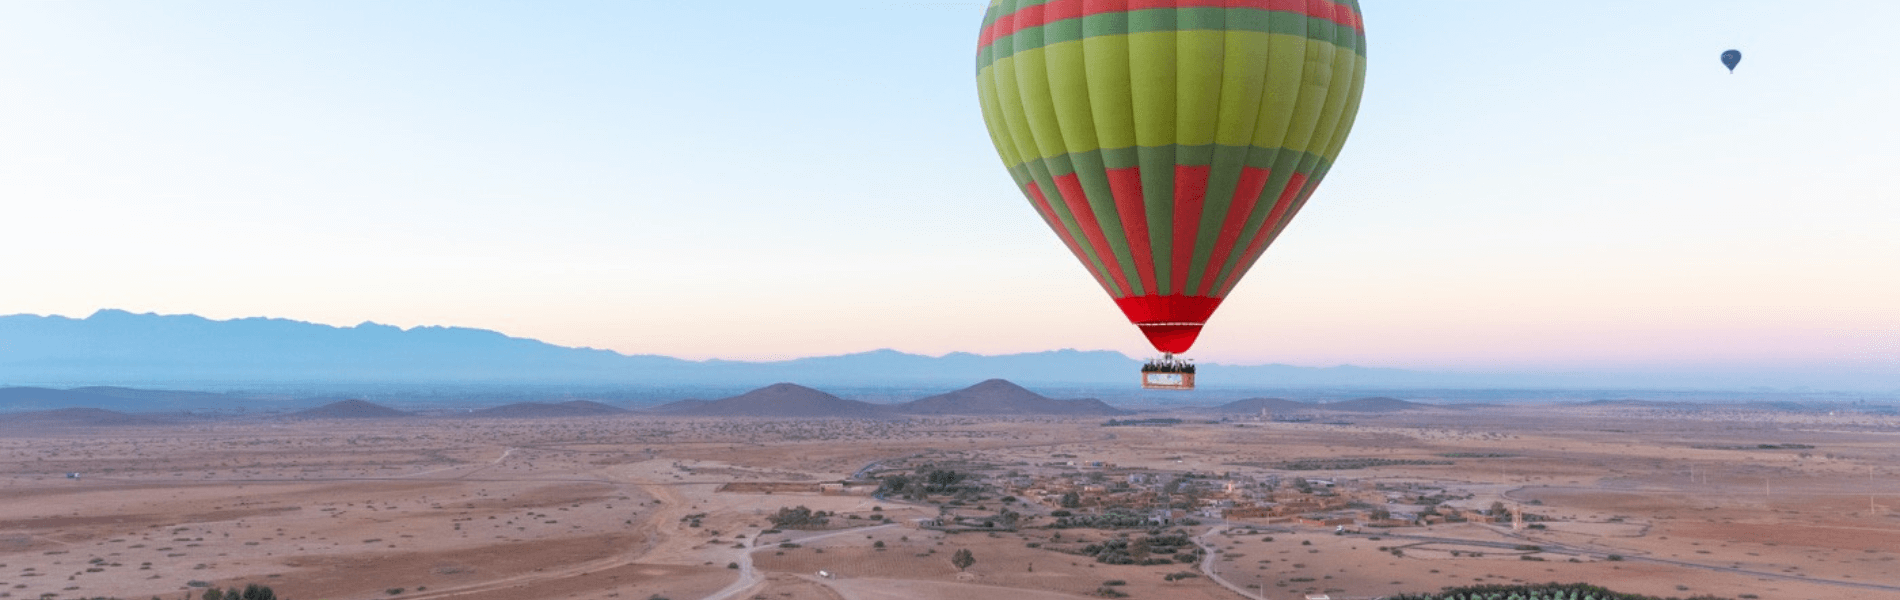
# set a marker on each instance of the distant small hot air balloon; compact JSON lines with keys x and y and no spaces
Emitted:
{"x":1730,"y":59}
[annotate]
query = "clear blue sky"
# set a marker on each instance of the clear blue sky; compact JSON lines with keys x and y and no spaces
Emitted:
{"x":1530,"y":185}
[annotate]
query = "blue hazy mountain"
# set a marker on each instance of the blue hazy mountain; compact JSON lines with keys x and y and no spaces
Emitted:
{"x":116,"y":347}
{"x":119,"y":348}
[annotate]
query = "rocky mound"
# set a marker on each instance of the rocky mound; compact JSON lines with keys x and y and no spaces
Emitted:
{"x":349,"y":409}
{"x":788,"y":400}
{"x":542,"y":410}
{"x":1000,"y":397}
{"x":1255,"y":406}
{"x":75,"y":417}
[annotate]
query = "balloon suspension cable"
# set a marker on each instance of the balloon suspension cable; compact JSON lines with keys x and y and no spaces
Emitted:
{"x":1168,"y":364}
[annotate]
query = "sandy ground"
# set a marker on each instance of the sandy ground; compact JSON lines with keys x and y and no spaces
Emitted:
{"x":628,"y":508}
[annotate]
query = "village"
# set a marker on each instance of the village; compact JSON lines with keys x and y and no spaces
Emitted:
{"x":1076,"y":493}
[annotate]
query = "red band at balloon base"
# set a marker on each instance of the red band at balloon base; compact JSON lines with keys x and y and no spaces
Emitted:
{"x":1171,"y":322}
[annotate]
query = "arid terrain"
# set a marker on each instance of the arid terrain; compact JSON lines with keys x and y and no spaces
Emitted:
{"x":1664,"y":501}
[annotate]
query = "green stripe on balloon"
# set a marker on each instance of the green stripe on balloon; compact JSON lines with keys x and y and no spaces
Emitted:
{"x":1162,"y":20}
{"x":1022,"y":87}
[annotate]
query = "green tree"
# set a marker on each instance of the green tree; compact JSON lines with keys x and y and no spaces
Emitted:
{"x":212,"y":594}
{"x":1071,"y":500}
{"x":962,"y":559}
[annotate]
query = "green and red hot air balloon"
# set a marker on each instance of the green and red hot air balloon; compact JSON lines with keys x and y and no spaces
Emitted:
{"x":1169,"y":142}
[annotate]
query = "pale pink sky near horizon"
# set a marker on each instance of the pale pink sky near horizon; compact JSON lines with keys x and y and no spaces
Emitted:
{"x":1604,"y":195}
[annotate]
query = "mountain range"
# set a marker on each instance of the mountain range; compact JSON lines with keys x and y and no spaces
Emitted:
{"x":124,"y":349}
{"x":994,"y":397}
{"x":780,"y":400}
{"x":115,"y":347}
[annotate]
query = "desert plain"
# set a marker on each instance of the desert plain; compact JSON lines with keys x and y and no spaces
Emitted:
{"x":1665,"y":501}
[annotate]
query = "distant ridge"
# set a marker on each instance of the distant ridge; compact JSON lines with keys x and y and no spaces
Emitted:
{"x":278,"y":356}
{"x":119,"y":347}
{"x":543,"y":410}
{"x":14,"y":399}
{"x":38,"y":398}
{"x":1254,"y":406}
{"x":997,"y":397}
{"x":1631,"y":402}
{"x":788,"y":400}
{"x":1375,"y":404}
{"x":350,"y":409}
{"x":75,"y":417}
{"x":678,"y":406}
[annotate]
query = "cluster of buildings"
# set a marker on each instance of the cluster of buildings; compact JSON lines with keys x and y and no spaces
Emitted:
{"x":1268,"y":499}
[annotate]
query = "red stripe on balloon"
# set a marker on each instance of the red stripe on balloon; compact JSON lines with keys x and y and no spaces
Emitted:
{"x":1261,"y":238}
{"x":1049,"y":216}
{"x":1071,"y":188}
{"x":1057,"y":10}
{"x":1190,"y":191}
{"x":1253,"y":181}
{"x":1125,"y":184}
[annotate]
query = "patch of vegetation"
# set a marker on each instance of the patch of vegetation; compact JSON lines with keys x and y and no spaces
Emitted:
{"x":1757,"y":447}
{"x":1109,"y":520}
{"x":1544,"y":591}
{"x":1343,"y":464}
{"x":799,"y":517}
{"x":1141,"y":422}
{"x":1146,"y":550}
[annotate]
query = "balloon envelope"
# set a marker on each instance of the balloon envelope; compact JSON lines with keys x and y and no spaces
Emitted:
{"x":1169,"y":142}
{"x":1731,"y":58}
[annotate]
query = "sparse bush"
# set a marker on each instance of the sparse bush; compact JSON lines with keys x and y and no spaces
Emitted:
{"x":962,"y":559}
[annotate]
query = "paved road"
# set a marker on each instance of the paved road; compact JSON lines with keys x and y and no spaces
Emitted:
{"x":1207,"y":564}
{"x":749,"y":577}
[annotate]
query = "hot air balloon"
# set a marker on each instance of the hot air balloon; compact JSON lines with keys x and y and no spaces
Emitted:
{"x":1169,"y":142}
{"x":1731,"y":58}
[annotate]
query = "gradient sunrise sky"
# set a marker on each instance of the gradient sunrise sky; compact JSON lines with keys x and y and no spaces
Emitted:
{"x":1530,"y":185}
